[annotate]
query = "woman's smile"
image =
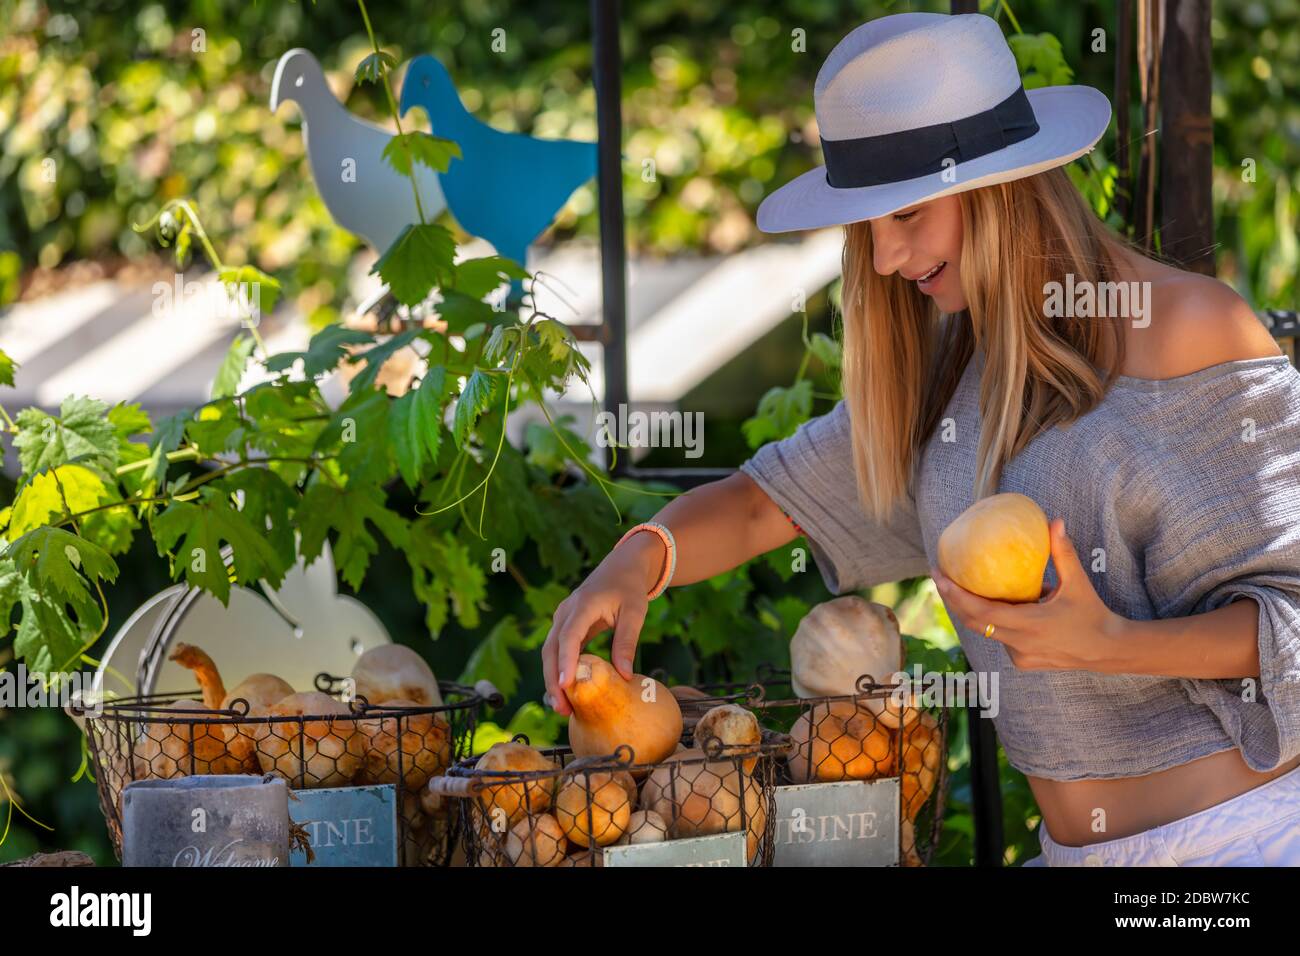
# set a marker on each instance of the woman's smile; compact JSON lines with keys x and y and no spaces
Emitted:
{"x":930,"y":280}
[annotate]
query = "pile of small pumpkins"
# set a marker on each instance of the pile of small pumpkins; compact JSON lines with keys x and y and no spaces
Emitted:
{"x":543,"y":814}
{"x":835,"y":644}
{"x":334,"y":749}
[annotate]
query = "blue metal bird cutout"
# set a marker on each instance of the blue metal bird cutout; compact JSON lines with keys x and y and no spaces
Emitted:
{"x":507,"y":187}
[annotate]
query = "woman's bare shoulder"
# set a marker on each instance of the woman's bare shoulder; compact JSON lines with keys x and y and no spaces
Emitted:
{"x":1196,"y":322}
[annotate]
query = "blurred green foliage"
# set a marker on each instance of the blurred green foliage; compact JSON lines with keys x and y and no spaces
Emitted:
{"x":112,"y":99}
{"x":109,"y":108}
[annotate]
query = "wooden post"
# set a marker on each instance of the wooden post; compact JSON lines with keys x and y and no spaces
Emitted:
{"x":1187,"y":134}
{"x":1148,"y":37}
{"x":1123,"y":128}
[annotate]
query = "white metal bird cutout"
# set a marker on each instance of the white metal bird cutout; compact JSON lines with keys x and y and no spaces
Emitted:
{"x":364,"y":194}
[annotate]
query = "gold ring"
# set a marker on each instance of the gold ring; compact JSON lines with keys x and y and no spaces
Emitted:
{"x":988,"y":631}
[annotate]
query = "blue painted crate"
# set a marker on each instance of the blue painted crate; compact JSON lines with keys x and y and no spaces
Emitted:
{"x":347,"y":826}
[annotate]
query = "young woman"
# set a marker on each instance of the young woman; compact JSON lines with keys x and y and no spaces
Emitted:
{"x":1152,"y":696}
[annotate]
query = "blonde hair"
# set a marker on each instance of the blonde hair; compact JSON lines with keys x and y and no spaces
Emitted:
{"x":903,"y":359}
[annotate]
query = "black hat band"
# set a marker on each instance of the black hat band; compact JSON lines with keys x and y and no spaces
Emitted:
{"x":909,"y":153}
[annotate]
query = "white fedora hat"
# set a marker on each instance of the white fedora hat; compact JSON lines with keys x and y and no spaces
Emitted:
{"x":915,"y":106}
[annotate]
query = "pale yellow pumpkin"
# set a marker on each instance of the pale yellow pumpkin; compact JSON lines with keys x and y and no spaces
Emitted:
{"x":998,"y":548}
{"x":839,"y":641}
{"x":395,"y":672}
{"x":311,"y":753}
{"x":593,"y":808}
{"x":703,"y":797}
{"x":735,"y":728}
{"x":536,"y":841}
{"x":514,"y":801}
{"x":644,"y":826}
{"x":922,"y":748}
{"x":840,"y":740}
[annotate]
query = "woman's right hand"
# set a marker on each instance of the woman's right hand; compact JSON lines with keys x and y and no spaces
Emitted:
{"x":613,"y":595}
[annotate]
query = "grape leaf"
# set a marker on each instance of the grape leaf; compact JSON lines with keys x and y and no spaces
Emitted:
{"x":416,"y":147}
{"x":780,"y":559}
{"x":7,"y":366}
{"x":113,"y":529}
{"x":55,"y":560}
{"x":80,"y":433}
{"x":502,"y":344}
{"x":324,"y":352}
{"x":40,"y":499}
{"x":543,"y":601}
{"x":374,"y":358}
{"x":475,"y":399}
{"x":781,"y":411}
{"x":200,"y":530}
{"x":826,"y":349}
{"x":415,"y":425}
{"x":426,"y":414}
{"x":47,"y":639}
{"x":419,"y":258}
{"x":166,"y":439}
{"x":217,"y":428}
{"x":346,"y":510}
{"x":359,"y":429}
{"x":11,"y":592}
{"x":546,"y":451}
{"x":462,"y":312}
{"x":571,"y":526}
{"x":557,"y":358}
{"x":555,"y":337}
{"x":405,"y":451}
{"x":286,"y":418}
{"x":790,"y":610}
{"x":443,"y":569}
{"x":128,"y":419}
{"x":373,"y":67}
{"x":252,"y":291}
{"x":477,"y":277}
{"x":232,"y":367}
{"x":542,"y":726}
{"x":268,"y":503}
{"x":1040,"y":59}
{"x":509,"y":515}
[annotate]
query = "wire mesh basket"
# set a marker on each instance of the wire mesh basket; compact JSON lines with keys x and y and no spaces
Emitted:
{"x":348,"y":742}
{"x":871,"y":735}
{"x":569,"y":808}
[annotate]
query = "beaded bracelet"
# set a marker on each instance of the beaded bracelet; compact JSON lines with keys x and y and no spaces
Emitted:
{"x":670,"y":565}
{"x":792,"y":521}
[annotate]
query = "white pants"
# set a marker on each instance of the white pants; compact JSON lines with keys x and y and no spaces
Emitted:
{"x":1260,"y":827}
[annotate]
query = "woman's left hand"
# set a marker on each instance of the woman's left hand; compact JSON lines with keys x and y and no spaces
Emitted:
{"x":1069,"y":628}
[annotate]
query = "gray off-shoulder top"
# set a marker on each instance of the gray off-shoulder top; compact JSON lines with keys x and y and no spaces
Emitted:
{"x":1187,"y":488}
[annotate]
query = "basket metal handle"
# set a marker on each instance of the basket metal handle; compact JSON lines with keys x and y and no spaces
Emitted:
{"x":454,"y":787}
{"x":488,"y":691}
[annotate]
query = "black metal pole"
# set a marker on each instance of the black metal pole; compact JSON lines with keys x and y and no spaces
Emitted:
{"x":985,"y":789}
{"x":607,"y":76}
